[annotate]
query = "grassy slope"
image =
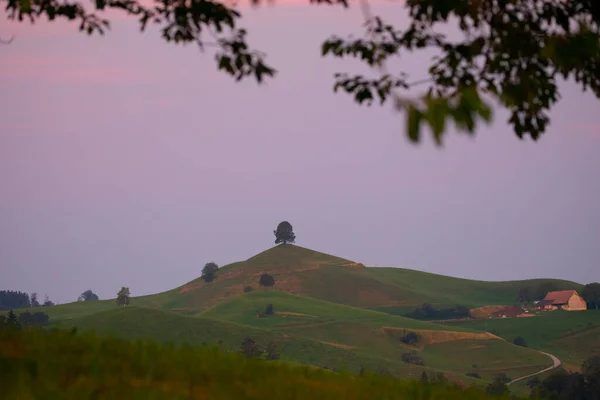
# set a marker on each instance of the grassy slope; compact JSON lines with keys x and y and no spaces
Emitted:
{"x":305,"y":272}
{"x":242,"y":309}
{"x":313,"y":274}
{"x":58,"y":364}
{"x":447,"y":290}
{"x":553,"y":332}
{"x":145,"y":323}
{"x":360,"y":331}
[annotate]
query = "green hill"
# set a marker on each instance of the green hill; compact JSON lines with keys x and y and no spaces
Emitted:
{"x":329,"y":311}
{"x":63,"y":365}
{"x":321,"y":276}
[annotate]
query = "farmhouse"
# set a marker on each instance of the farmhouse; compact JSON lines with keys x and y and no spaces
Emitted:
{"x":568,"y":300}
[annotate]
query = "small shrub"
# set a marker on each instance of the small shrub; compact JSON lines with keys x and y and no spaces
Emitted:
{"x":520,"y":341}
{"x":250,"y":349}
{"x":269,"y":309}
{"x":266,"y":280}
{"x":474,"y":375}
{"x":271,"y":351}
{"x":413,"y":358}
{"x":248,"y":289}
{"x":410,"y":338}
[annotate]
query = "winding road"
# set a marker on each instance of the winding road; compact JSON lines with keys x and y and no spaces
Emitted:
{"x":555,"y":364}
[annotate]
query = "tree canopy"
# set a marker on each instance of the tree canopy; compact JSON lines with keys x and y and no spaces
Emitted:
{"x":209,"y":272}
{"x":591,"y":294}
{"x":284,"y":233}
{"x":511,"y":52}
{"x":266,"y":280}
{"x":123,"y":296}
{"x":88,"y":295}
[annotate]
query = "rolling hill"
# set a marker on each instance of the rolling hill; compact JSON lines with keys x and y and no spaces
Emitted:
{"x":329,"y":312}
{"x":305,"y":272}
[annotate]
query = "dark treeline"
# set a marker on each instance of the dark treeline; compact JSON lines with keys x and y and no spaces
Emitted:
{"x":427,"y":312}
{"x":584,"y":385}
{"x":12,"y":299}
{"x":24,"y":320}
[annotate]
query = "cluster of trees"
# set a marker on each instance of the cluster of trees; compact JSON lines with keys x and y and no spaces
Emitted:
{"x":584,"y":385}
{"x":24,"y":320}
{"x":251,"y":349}
{"x":412,"y":357}
{"x":591,"y":294}
{"x":12,"y":299}
{"x":427,"y":312}
{"x":528,"y":294}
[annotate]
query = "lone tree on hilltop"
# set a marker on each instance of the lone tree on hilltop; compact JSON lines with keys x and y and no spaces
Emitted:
{"x":209,"y":272}
{"x":123,"y":296}
{"x":266,"y":280}
{"x":284,"y":233}
{"x":591,"y":294}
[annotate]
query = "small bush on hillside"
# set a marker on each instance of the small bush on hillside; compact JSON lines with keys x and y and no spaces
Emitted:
{"x":250,"y":349}
{"x":271,"y":351}
{"x":474,"y":375}
{"x":269,"y":309}
{"x":412,"y":357}
{"x":410,"y":338}
{"x":520,"y":341}
{"x":266,"y":280}
{"x":248,"y":289}
{"x":498,"y":385}
{"x":28,"y":319}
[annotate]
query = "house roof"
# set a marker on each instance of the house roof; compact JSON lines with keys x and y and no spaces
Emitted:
{"x":543,"y":303}
{"x":560,"y":297}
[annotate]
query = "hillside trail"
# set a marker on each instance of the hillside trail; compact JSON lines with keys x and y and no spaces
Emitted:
{"x":555,"y":364}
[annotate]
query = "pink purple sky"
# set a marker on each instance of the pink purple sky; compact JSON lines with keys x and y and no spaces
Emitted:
{"x":126,"y":161}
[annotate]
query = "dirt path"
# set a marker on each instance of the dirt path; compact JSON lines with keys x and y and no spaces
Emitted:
{"x":555,"y":364}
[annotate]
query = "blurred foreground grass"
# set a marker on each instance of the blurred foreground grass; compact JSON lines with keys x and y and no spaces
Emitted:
{"x":59,"y":364}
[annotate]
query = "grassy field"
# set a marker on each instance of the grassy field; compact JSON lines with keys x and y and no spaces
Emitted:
{"x":62,"y":365}
{"x":571,"y":336}
{"x":292,"y":308}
